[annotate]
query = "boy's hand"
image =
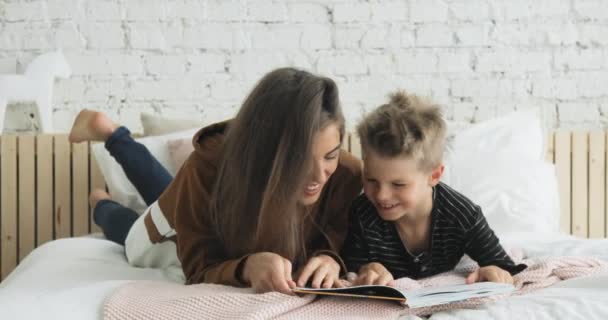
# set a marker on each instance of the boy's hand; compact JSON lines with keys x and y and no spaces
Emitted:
{"x":267,"y":271}
{"x":490,"y":273}
{"x":324,"y":272}
{"x":374,"y":274}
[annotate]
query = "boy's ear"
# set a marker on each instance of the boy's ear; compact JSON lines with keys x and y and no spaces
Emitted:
{"x":436,"y":175}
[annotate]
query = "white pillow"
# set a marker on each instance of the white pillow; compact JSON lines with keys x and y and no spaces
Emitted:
{"x":121,"y":189}
{"x":499,"y":165}
{"x":154,"y":125}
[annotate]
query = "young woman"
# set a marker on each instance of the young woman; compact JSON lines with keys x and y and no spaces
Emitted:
{"x":263,"y":195}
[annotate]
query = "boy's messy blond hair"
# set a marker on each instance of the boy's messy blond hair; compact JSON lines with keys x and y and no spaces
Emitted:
{"x":406,"y":126}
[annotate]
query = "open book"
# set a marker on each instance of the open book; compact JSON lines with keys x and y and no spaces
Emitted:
{"x":424,"y":297}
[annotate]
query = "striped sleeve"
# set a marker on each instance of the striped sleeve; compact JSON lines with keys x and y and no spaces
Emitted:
{"x":355,"y":252}
{"x":483,"y":246}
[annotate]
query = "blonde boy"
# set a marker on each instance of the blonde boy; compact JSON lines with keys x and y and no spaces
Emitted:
{"x":408,"y":223}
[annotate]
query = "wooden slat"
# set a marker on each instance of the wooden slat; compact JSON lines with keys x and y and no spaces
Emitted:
{"x":27,"y":197}
{"x":580,"y":191}
{"x":63,"y":207}
{"x":44,"y":189}
{"x":550,"y":150}
{"x":563,"y":167}
{"x":80,"y":186}
{"x":8,"y":232}
{"x":355,"y":146}
{"x":96,"y":182}
{"x":597,"y":184}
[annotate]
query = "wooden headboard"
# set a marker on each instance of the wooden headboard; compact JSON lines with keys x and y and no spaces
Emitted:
{"x":45,"y":182}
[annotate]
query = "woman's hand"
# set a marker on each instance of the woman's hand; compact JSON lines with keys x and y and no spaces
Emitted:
{"x":267,"y":271}
{"x":324,"y":272}
{"x":490,"y":273}
{"x":374,"y":274}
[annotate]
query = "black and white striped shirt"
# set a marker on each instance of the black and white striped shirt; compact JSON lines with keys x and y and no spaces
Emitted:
{"x":458,"y":227}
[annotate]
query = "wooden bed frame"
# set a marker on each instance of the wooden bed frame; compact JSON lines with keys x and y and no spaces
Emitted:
{"x":45,"y":182}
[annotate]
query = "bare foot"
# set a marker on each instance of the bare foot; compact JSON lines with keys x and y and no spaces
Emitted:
{"x":98,"y":195}
{"x":91,"y":126}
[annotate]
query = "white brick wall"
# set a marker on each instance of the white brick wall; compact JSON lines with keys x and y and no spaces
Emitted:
{"x":479,"y":58}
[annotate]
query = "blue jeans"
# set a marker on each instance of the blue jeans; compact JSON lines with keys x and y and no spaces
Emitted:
{"x":148,"y":176}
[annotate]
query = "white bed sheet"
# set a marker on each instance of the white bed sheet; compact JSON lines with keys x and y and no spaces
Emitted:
{"x":70,"y":279}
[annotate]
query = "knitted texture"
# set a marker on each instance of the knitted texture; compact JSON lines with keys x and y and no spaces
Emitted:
{"x":162,"y":300}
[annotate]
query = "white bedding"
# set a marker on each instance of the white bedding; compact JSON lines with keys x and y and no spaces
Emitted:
{"x":70,"y":278}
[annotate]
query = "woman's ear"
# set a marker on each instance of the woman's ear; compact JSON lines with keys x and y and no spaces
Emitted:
{"x":436,"y":175}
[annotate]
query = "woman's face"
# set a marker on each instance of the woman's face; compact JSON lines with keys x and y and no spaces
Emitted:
{"x":325,"y":153}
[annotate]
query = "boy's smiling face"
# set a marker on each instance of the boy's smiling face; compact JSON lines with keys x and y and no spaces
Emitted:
{"x":397,"y":187}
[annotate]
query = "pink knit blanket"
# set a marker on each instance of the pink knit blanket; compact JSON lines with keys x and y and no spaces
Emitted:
{"x":163,"y":300}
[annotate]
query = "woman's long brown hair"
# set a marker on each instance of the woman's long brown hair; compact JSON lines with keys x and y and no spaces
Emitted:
{"x":266,"y":160}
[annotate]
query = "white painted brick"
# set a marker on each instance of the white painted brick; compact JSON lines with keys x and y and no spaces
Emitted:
{"x":382,"y":37}
{"x":342,"y":64}
{"x":528,"y":9}
{"x":147,"y":10}
{"x":351,"y":12}
{"x":72,"y":89}
{"x":103,"y":11}
{"x":104,"y":35}
{"x":483,"y":112}
{"x":519,"y":34}
{"x":276,"y":37}
{"x":383,"y":63}
{"x":209,"y":36}
{"x":454,"y":62}
{"x":577,"y":59}
{"x":226,"y":10}
{"x":522,"y":88}
{"x":67,"y":36}
{"x":483,"y":88}
{"x":464,"y":111}
{"x":307,"y":12}
{"x":563,"y":34}
{"x":106,"y":64}
{"x":189,"y":9}
{"x":106,"y":90}
{"x":256,"y":62}
{"x":473,"y":35}
{"x":592,"y":84}
{"x":165,"y":65}
{"x":594,"y":35}
{"x":572,"y":112}
{"x":24,"y":11}
{"x":408,"y":38}
{"x":428,"y":11}
{"x":8,"y":65}
{"x":37,"y":39}
{"x":551,"y":88}
{"x":146,"y":35}
{"x":316,"y":37}
{"x":434,"y":35}
{"x":348,"y":36}
{"x":470,"y":10}
{"x":173,"y":33}
{"x":300,"y":60}
{"x":182,"y":88}
{"x":206,"y":63}
{"x":409,"y":62}
{"x":388,"y":11}
{"x":65,"y":10}
{"x":591,"y":9}
{"x":513,"y":61}
{"x":267,"y":11}
{"x":230,"y":90}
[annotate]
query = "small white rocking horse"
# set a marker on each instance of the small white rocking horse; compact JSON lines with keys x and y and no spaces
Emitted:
{"x":36,"y":84}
